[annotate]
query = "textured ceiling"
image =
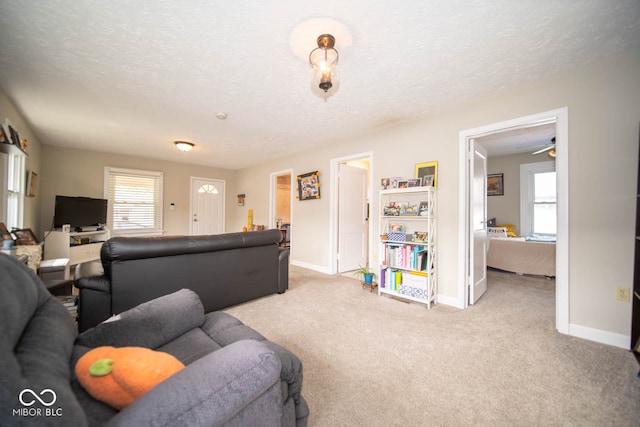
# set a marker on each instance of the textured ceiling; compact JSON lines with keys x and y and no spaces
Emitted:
{"x":132,"y":77}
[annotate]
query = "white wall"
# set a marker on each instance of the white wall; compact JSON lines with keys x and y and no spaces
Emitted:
{"x":33,"y":162}
{"x":604,"y":112}
{"x":74,"y":172}
{"x":506,"y":208}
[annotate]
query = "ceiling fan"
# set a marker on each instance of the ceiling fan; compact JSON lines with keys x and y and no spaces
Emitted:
{"x":551,"y":148}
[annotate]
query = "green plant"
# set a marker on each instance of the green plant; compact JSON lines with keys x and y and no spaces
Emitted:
{"x":364,"y":272}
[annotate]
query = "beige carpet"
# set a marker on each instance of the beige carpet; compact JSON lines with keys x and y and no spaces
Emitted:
{"x":376,"y":361}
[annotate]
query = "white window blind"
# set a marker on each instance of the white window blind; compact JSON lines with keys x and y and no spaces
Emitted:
{"x":544,"y":203}
{"x":135,"y":201}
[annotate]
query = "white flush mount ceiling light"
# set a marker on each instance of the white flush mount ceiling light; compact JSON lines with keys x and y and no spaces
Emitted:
{"x":324,"y":59}
{"x":184,"y":145}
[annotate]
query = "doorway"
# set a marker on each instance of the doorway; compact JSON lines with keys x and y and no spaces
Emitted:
{"x":350,"y":207}
{"x":560,"y":117}
{"x":207,"y":206}
{"x":280,"y":203}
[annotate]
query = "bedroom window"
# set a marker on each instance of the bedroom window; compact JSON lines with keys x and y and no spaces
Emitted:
{"x":135,"y":201}
{"x":538,"y":198}
{"x":544,"y":203}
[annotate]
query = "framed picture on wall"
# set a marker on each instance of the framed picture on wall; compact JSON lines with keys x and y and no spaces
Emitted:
{"x":309,"y":186}
{"x":428,"y":169}
{"x":32,"y":183}
{"x":495,"y":184}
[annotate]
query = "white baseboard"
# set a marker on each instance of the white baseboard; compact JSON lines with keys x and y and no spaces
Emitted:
{"x":318,"y":268}
{"x":600,"y":336}
{"x":450,"y":301}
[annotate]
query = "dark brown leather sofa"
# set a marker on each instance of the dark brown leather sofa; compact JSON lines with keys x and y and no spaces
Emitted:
{"x":224,"y":270}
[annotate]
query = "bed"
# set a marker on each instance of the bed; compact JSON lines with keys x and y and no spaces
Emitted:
{"x":519,"y":255}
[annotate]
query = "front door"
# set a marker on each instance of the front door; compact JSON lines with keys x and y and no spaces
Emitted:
{"x":478,"y":219}
{"x":353,"y":218}
{"x":207,"y":206}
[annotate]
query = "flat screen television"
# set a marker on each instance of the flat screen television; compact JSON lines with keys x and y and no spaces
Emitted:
{"x":79,"y":212}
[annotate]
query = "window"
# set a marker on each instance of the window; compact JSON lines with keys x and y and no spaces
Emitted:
{"x":208,"y":189}
{"x":13,"y":189}
{"x":538,"y":198}
{"x":135,"y":201}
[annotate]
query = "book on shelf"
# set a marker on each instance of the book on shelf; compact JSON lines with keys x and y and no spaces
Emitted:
{"x":68,"y":300}
{"x":390,"y":279}
{"x":411,"y":283}
{"x":411,"y":257}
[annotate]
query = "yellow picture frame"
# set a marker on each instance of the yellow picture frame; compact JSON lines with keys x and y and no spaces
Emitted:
{"x":428,"y":173}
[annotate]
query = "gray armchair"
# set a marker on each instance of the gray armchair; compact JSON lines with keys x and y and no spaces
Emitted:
{"x":233,"y":375}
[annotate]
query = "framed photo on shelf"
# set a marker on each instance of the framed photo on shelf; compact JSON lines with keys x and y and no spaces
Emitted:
{"x":25,"y":237}
{"x":495,"y":184}
{"x":309,"y":186}
{"x":420,"y":236}
{"x":4,"y":233}
{"x":423,"y":209}
{"x":4,"y":136}
{"x":394,"y":180}
{"x":403,"y":184}
{"x":397,"y":228}
{"x":409,"y":210}
{"x":428,"y":169}
{"x":15,"y":137}
{"x":414,"y":182}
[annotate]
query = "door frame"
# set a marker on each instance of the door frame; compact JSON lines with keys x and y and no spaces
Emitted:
{"x":224,"y":200}
{"x":333,"y":208}
{"x":273,"y":186}
{"x":561,"y":118}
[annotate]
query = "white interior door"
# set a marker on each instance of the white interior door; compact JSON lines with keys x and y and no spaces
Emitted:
{"x":207,"y":206}
{"x":352,"y":218}
{"x":478,"y":219}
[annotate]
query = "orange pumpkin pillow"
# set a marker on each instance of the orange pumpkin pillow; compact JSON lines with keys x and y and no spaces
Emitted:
{"x":118,"y":376}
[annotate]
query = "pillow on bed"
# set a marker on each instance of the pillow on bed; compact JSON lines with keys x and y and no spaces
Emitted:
{"x":497,"y":232}
{"x":511,"y":232}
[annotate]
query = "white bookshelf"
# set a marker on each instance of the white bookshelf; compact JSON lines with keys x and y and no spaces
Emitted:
{"x":408,"y":244}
